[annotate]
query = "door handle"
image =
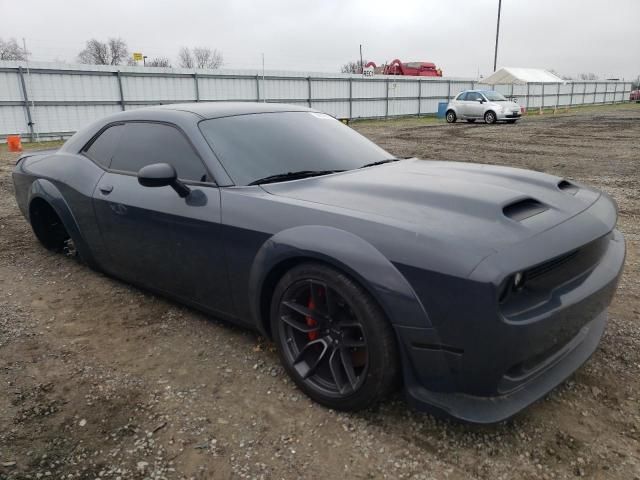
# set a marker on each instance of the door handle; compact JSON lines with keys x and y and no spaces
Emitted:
{"x":106,"y":189}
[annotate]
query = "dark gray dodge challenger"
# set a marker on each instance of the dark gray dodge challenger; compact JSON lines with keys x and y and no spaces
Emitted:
{"x":477,"y":288}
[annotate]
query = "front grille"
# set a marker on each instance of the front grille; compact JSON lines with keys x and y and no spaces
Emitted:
{"x":551,"y":265}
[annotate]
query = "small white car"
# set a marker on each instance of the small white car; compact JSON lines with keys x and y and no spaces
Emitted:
{"x":487,"y":105}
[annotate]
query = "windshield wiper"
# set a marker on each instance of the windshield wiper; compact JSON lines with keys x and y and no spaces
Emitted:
{"x":380,"y":162}
{"x":281,"y":177}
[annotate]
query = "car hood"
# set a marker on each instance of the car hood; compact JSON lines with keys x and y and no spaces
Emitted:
{"x":491,"y":206}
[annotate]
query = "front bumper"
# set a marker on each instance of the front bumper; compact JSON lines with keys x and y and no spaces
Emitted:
{"x":508,"y":115}
{"x":483,"y":365}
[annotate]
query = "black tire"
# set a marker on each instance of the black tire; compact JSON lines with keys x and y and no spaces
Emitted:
{"x":490,"y":117}
{"x":344,"y":356}
{"x":47,"y":226}
{"x":471,"y":120}
{"x":451,"y":116}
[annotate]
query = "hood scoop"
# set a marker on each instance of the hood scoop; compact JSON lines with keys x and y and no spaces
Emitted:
{"x":523,"y":209}
{"x":568,"y":187}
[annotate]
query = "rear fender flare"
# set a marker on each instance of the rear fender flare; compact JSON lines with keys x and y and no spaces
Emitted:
{"x":47,"y":191}
{"x":346,"y":252}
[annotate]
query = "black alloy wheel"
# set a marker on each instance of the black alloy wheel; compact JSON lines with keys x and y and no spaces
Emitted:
{"x":332,"y":338}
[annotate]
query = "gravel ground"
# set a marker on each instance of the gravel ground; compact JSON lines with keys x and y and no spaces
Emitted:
{"x":101,"y":380}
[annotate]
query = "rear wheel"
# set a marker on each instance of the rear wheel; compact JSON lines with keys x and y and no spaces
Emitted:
{"x":451,"y":116}
{"x":490,"y":117}
{"x":48,"y":227}
{"x":333,"y":339}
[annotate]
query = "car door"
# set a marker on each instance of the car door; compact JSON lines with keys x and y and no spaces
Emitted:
{"x":154,"y":237}
{"x":474,"y":109}
{"x":461,"y":104}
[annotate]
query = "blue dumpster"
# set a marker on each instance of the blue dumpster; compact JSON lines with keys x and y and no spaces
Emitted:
{"x":442,"y":109}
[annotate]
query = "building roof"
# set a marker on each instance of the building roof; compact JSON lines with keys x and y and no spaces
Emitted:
{"x":521,"y":76}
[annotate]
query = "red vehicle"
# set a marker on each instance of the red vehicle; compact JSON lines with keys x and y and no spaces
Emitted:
{"x":635,"y":95}
{"x":418,"y":69}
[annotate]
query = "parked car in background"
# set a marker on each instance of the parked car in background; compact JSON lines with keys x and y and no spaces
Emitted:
{"x":635,"y":96}
{"x":487,"y":105}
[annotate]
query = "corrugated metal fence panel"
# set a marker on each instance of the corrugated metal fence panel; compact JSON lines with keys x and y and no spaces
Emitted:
{"x":403,"y":107}
{"x":337,"y":109}
{"x":330,"y":89}
{"x":369,"y":89}
{"x":281,"y":89}
{"x":437,"y":89}
{"x":404,"y":89}
{"x":69,"y":118}
{"x":430,"y":105}
{"x":13,"y":121}
{"x":150,"y":88}
{"x":10,"y":89}
{"x":68,"y":87}
{"x":369,"y":108}
{"x":228,"y":88}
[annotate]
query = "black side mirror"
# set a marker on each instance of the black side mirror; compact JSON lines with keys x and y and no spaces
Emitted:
{"x":162,"y":175}
{"x":481,"y":100}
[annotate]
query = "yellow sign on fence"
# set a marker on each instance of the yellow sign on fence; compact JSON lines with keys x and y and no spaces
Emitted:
{"x":137,"y":56}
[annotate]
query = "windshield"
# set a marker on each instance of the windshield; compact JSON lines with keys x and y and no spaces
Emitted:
{"x":255,"y":146}
{"x":494,"y":96}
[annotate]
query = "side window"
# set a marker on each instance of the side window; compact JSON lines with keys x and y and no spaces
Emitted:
{"x":102,"y":148}
{"x":462,"y":96}
{"x":473,"y":96}
{"x":145,"y":143}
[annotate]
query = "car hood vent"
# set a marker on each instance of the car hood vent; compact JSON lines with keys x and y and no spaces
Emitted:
{"x":523,"y":209}
{"x":568,"y":187}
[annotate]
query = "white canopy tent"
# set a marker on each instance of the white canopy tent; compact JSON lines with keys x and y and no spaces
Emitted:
{"x":520,"y":76}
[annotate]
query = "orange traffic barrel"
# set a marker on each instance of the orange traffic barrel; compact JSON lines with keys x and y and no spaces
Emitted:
{"x":14,"y":143}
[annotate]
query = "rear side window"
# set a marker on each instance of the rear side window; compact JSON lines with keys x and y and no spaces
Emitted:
{"x":142,"y":144}
{"x":462,"y":96}
{"x":102,"y":148}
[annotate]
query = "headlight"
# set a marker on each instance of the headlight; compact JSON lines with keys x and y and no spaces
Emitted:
{"x":518,"y":281}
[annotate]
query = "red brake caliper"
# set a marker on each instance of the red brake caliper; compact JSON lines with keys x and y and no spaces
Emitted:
{"x":310,"y":321}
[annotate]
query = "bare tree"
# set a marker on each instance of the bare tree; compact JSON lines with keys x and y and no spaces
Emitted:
{"x":206,"y":57}
{"x":185,"y":59}
{"x":353,"y":67}
{"x":588,"y":76}
{"x":557,"y":74}
{"x":10,"y":50}
{"x":159,"y":62}
{"x":112,"y":52}
{"x":117,"y":50}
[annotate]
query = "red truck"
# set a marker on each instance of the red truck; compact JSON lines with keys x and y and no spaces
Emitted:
{"x":635,"y":96}
{"x":418,"y":69}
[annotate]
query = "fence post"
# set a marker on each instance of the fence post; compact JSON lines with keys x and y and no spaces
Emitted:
{"x":26,"y":104}
{"x":257,"y":87}
{"x":542,"y":102}
{"x":419,"y":97}
{"x":309,"y":87}
{"x":121,"y":91}
{"x":448,"y":90}
{"x":386,"y":110}
{"x":526,"y":102}
{"x":615,"y":92}
{"x":195,"y":83}
{"x":557,"y":96}
{"x":595,"y":91}
{"x":571,"y":97}
{"x":512,"y":91}
{"x":350,"y":98}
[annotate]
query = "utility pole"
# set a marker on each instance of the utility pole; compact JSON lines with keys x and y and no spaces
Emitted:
{"x":495,"y":56}
{"x":264,"y":92}
{"x":361,"y":64}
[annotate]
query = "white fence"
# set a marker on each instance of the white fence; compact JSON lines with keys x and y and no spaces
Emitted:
{"x":56,"y":99}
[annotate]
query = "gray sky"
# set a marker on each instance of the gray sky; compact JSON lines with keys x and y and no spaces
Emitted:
{"x":570,"y":36}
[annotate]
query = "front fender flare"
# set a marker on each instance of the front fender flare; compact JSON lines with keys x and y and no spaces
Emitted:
{"x":348,"y":253}
{"x":47,"y":191}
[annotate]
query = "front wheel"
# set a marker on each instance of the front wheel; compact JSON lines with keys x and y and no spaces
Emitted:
{"x":490,"y":117}
{"x":451,"y":116}
{"x":333,"y":338}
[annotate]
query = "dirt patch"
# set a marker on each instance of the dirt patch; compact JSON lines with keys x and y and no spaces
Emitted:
{"x":101,"y":380}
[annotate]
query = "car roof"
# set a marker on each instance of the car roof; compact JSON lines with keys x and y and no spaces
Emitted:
{"x":226,"y":109}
